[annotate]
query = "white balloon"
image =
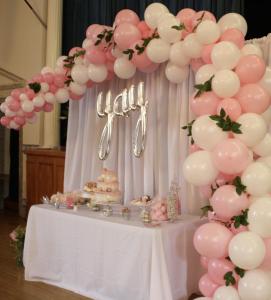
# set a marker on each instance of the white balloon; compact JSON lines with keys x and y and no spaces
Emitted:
{"x":206,"y":133}
{"x":9,"y":113}
{"x":257,"y":179}
{"x":176,"y":74}
{"x":225,"y":55}
{"x":10,"y":99}
{"x":192,"y":47}
{"x":198,"y":168}
{"x":62,"y":95}
{"x":265,"y":160}
{"x":264,"y":146}
{"x":46,"y":69}
{"x":3,"y":107}
{"x":259,"y":217}
{"x":253,"y":129}
{"x":166,"y":32}
{"x":208,"y":32}
{"x":255,"y":285}
{"x":177,"y":56}
{"x":44,"y":86}
{"x":20,"y":113}
{"x":153,"y":12}
{"x":60,"y":61}
{"x":158,"y":50}
{"x":225,"y":83}
{"x":50,"y":98}
{"x":13,"y":125}
{"x":251,"y":49}
{"x":27,"y":106}
{"x":97,"y":73}
{"x":204,"y":73}
{"x":87,"y":43}
{"x":253,"y":199}
{"x":267,"y":115}
{"x":266,"y":80}
{"x":60,"y":70}
{"x":226,"y":293}
{"x":124,"y":68}
{"x":78,"y":89}
{"x":233,"y":20}
{"x":79,"y":60}
{"x":38,"y":101}
{"x":23,"y":97}
{"x":247,"y":250}
{"x":79,"y":74}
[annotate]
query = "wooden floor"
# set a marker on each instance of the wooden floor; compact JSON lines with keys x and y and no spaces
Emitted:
{"x":12,"y":283}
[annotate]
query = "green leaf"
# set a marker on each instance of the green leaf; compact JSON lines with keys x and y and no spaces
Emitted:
{"x":199,"y":21}
{"x":178,"y":27}
{"x":240,"y":272}
{"x":240,"y":188}
{"x":205,"y":210}
{"x":240,"y":219}
{"x":229,"y":279}
{"x":205,"y":87}
{"x":35,"y":86}
{"x":129,"y":52}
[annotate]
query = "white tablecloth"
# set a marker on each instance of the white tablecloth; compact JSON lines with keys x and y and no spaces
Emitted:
{"x":108,"y":258}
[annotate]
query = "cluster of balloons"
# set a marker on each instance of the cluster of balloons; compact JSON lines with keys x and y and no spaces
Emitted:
{"x":241,"y":86}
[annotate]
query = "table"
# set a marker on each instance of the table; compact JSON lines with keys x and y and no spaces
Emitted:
{"x":110,"y":258}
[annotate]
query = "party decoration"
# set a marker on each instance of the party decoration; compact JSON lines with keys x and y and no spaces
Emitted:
{"x":226,"y":293}
{"x":225,"y":83}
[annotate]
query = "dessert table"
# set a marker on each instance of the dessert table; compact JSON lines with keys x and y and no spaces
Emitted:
{"x":111,"y":258}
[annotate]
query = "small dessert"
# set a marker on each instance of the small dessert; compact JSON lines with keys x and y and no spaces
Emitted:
{"x":142,"y":201}
{"x":90,"y":186}
{"x":125,"y":212}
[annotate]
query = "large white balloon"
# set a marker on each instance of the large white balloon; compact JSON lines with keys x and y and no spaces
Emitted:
{"x":267,"y":114}
{"x":44,"y":87}
{"x":62,"y":95}
{"x":11,"y":114}
{"x":199,"y":169}
{"x":97,"y":73}
{"x":206,"y":133}
{"x":78,"y":89}
{"x":251,"y":49}
{"x":50,"y":98}
{"x":153,"y":12}
{"x":204,"y":73}
{"x":253,"y":129}
{"x":264,"y":146}
{"x":176,"y":74}
{"x":167,"y":32}
{"x":265,"y":160}
{"x":38,"y":101}
{"x":208,"y":32}
{"x":46,"y":69}
{"x":79,"y":74}
{"x":259,"y":217}
{"x":177,"y":55}
{"x":60,"y":61}
{"x":124,"y":68}
{"x":257,"y":179}
{"x":255,"y":285}
{"x":266,"y":80}
{"x":192,"y":47}
{"x":233,"y":20}
{"x":226,"y":293}
{"x":87,"y":43}
{"x":225,"y":83}
{"x":27,"y":106}
{"x":158,"y":50}
{"x":225,"y":55}
{"x":247,"y":250}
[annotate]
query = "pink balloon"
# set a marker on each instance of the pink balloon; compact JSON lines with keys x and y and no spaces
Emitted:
{"x":110,"y":66}
{"x":147,"y":33}
{"x":75,"y":50}
{"x":231,"y":107}
{"x":75,"y":96}
{"x":185,"y":16}
{"x":231,"y":156}
{"x":222,"y":178}
{"x":14,"y":105}
{"x":90,"y":30}
{"x":205,"y":191}
{"x":59,"y":80}
{"x":140,"y":60}
{"x":38,"y":109}
{"x":48,"y":107}
{"x":30,"y":94}
{"x":233,"y":35}
{"x":207,"y":286}
{"x":250,"y":69}
{"x":206,"y":53}
{"x":126,"y":34}
{"x":194,"y":148}
{"x":15,"y":93}
{"x":48,"y":77}
{"x":19,"y":120}
{"x":205,"y":104}
{"x":196,"y":63}
{"x":95,"y":56}
{"x":53,"y":88}
{"x":266,"y":264}
{"x":37,"y":78}
{"x":253,"y":98}
{"x":90,"y":84}
{"x":217,"y":268}
{"x":212,"y":240}
{"x":143,"y":27}
{"x":29,"y":114}
{"x":109,"y":56}
{"x":198,"y":15}
{"x":204,"y":262}
{"x":5,"y":121}
{"x":227,"y":203}
{"x":153,"y":67}
{"x":110,"y":75}
{"x":96,"y":31}
{"x":126,"y":16}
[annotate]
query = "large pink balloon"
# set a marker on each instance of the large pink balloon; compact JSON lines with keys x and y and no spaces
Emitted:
{"x":231,"y":107}
{"x":5,"y":121}
{"x":143,"y":27}
{"x":74,"y":96}
{"x":98,"y":29}
{"x":95,"y":55}
{"x":75,"y":50}
{"x":126,"y":34}
{"x":206,"y":53}
{"x":19,"y":120}
{"x":198,"y":15}
{"x":126,"y":16}
{"x":196,"y":63}
{"x":90,"y":30}
{"x":217,"y":268}
{"x":212,"y":240}
{"x":15,"y":93}
{"x":233,"y":35}
{"x":59,"y":80}
{"x":253,"y":98}
{"x":48,"y":107}
{"x":227,"y":203}
{"x":207,"y":286}
{"x":14,"y":105}
{"x":231,"y":156}
{"x":48,"y":77}
{"x":140,"y":60}
{"x":204,"y":262}
{"x":185,"y":16}
{"x":250,"y":69}
{"x":205,"y":104}
{"x":266,"y":264}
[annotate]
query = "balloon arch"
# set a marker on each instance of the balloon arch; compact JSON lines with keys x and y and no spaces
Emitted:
{"x":230,"y":159}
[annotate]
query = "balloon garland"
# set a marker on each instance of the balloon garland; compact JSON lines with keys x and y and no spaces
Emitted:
{"x":230,"y":159}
